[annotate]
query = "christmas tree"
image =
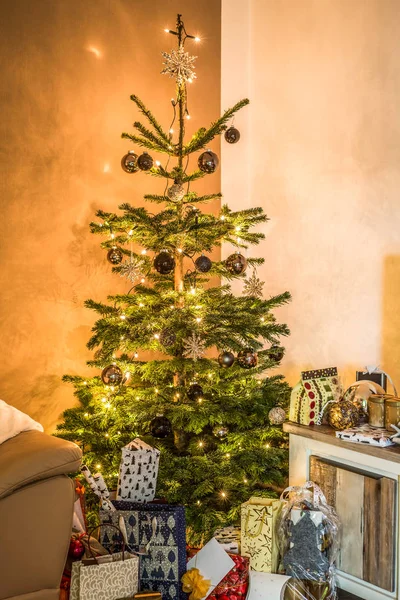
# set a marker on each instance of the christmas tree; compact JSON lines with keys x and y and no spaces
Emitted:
{"x":202,"y":400}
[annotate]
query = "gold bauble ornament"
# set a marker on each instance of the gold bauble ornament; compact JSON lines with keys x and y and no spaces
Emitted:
{"x":343,"y":415}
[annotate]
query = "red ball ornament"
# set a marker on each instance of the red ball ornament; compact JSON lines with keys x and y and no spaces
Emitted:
{"x":76,"y":548}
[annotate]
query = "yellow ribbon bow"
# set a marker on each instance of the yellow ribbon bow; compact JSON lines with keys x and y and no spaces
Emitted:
{"x":194,"y":582}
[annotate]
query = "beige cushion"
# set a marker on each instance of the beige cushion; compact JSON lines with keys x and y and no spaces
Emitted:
{"x":33,"y":455}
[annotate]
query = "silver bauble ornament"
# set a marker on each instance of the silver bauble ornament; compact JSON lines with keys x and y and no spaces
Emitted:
{"x":276,"y":415}
{"x":176,"y":192}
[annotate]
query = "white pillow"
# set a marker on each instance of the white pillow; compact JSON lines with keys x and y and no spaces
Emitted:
{"x":13,"y":422}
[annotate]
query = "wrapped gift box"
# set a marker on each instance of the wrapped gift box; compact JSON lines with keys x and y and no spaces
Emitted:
{"x":138,"y":472}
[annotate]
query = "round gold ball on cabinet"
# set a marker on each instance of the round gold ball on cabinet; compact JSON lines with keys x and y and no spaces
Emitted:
{"x":343,"y":415}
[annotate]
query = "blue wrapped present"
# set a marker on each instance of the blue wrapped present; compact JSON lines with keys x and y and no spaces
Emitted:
{"x":158,"y":532}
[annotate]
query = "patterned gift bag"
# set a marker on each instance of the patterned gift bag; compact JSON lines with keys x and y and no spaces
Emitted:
{"x":310,"y":396}
{"x":138,"y":472}
{"x":158,"y":531}
{"x":258,"y":517}
{"x":229,"y":538}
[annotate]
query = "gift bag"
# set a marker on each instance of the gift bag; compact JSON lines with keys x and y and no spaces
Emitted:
{"x":158,"y":533}
{"x":107,"y":577}
{"x":310,"y":396}
{"x":258,"y":540}
{"x":138,"y":472}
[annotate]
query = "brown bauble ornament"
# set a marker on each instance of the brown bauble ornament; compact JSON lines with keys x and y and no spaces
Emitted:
{"x":232,"y":135}
{"x":129,"y":162}
{"x":208,"y":162}
{"x":114,"y":256}
{"x":164,"y":263}
{"x":247,"y":358}
{"x":145,"y":162}
{"x":236,"y":263}
{"x":343,"y":415}
{"x":112,"y":375}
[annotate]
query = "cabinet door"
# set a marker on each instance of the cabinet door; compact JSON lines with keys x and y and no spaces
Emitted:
{"x":365,"y":504}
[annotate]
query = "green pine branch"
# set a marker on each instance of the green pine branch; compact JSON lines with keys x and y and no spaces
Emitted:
{"x":151,"y":118}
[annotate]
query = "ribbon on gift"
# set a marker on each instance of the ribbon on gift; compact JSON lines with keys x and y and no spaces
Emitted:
{"x":193,"y":583}
{"x":369,"y":369}
{"x":318,"y":494}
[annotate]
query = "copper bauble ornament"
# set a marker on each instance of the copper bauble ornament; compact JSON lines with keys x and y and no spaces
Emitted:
{"x":129,"y":162}
{"x":203,"y":264}
{"x":343,"y":415}
{"x":236,"y":263}
{"x":226,"y":359}
{"x":112,"y":375}
{"x":164,"y":263}
{"x":247,"y":358}
{"x":276,"y":415}
{"x":232,"y":135}
{"x":145,"y":162}
{"x":208,"y":162}
{"x":160,"y":427}
{"x":114,"y":256}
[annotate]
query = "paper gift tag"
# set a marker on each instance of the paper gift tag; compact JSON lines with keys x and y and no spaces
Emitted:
{"x":213,"y":563}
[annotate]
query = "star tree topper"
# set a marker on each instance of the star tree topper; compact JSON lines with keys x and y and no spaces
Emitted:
{"x":180,"y":65}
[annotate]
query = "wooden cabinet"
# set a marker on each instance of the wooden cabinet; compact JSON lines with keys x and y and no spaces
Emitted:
{"x":365,"y":504}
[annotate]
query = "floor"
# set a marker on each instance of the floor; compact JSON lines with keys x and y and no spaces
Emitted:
{"x":347,"y":596}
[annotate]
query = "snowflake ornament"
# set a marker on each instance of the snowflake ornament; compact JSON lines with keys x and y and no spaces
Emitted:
{"x":194,"y":347}
{"x":179,"y":64}
{"x":131,"y":270}
{"x":253,"y":286}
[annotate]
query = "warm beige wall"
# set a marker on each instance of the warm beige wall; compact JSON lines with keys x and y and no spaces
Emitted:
{"x":324,"y":156}
{"x":62,"y":111}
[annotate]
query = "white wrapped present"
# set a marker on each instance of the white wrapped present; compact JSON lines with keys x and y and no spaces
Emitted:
{"x":138,"y":472}
{"x":229,"y":538}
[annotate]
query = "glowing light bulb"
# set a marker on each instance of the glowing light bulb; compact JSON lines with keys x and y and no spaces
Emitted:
{"x":198,"y":319}
{"x":187,"y":116}
{"x":245,"y":481}
{"x":223,"y":494}
{"x":156,"y":390}
{"x":112,"y":237}
{"x":108,"y":405}
{"x":104,"y":400}
{"x":180,"y":250}
{"x":193,"y":291}
{"x":86,"y":415}
{"x":262,"y":319}
{"x":157,"y":336}
{"x":142,"y":280}
{"x":171,"y":130}
{"x":122,"y":337}
{"x":201,"y":444}
{"x":166,"y":30}
{"x":107,"y":435}
{"x":123,"y":317}
{"x":197,"y":39}
{"x":136,"y":355}
{"x":119,"y":433}
{"x":200,"y":400}
{"x":106,"y":168}
{"x":141,"y":304}
{"x":227,"y":455}
{"x":267,"y":445}
{"x":198,"y":502}
{"x":85,"y":383}
{"x":237,"y":228}
{"x":210,"y":375}
{"x":172,"y":307}
{"x":130,"y":232}
{"x":158,"y":163}
{"x":177,"y":396}
{"x":190,"y":80}
{"x":98,"y":466}
{"x":222,"y":217}
{"x":144,"y":252}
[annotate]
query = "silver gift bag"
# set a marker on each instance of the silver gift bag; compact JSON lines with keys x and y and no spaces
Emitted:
{"x":107,"y":577}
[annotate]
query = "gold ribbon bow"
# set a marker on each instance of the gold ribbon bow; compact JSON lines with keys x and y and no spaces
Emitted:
{"x":194,"y":582}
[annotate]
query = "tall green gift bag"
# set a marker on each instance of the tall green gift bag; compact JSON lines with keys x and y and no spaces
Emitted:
{"x":258,"y":537}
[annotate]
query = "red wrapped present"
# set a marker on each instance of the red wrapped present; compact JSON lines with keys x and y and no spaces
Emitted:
{"x":234,"y":585}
